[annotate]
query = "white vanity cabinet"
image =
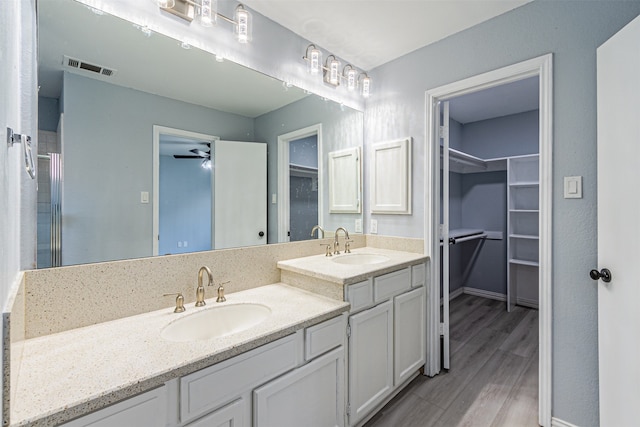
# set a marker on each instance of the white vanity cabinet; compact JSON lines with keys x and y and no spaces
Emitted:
{"x":386,"y":337}
{"x":149,"y":408}
{"x":293,"y":381}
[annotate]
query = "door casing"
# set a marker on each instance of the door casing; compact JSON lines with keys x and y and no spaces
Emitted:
{"x":541,"y":67}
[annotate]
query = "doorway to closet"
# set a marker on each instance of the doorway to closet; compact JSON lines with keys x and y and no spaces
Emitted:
{"x":489,"y":216}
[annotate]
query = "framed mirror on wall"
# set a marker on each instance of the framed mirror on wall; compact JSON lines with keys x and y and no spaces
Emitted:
{"x":107,"y":141}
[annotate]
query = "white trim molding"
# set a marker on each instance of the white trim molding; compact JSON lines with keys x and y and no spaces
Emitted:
{"x":541,"y":67}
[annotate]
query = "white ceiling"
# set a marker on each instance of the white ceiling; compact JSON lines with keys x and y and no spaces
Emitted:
{"x":369,"y":33}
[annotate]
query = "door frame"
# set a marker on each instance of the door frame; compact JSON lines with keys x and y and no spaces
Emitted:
{"x":283,"y":176}
{"x":541,"y":67}
{"x":164,"y":130}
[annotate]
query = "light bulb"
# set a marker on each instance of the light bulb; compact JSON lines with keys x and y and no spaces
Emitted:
{"x":352,"y":76}
{"x":333,"y":73}
{"x":243,"y":29}
{"x":366,"y":86}
{"x":208,"y":15}
{"x":315,"y":61}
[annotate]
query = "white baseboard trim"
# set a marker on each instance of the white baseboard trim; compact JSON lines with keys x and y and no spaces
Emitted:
{"x":555,"y":422}
{"x":484,"y":294}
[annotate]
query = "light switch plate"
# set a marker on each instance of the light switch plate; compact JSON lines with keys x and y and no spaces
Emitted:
{"x":573,"y":187}
{"x":358,"y":225}
{"x":373,"y":227}
{"x":144,"y":197}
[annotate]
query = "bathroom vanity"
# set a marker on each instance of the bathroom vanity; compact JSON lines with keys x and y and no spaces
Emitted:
{"x":342,"y":335}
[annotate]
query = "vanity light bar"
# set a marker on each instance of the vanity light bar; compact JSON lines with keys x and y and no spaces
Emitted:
{"x":206,"y":13}
{"x":331,"y":71}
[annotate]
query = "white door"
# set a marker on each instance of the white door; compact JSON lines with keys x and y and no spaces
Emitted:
{"x":619,"y":227}
{"x":240,"y":195}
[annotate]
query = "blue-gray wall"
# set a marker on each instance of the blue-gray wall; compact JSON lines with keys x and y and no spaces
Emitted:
{"x":185,"y":206}
{"x":512,"y":135}
{"x":107,"y":149}
{"x":571,"y":31}
{"x":48,"y":114}
{"x":342,"y":127}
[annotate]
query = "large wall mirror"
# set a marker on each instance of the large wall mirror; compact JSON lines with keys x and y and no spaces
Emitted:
{"x":105,"y":85}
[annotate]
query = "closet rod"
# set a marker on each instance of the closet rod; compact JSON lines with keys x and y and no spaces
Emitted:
{"x":453,"y":241}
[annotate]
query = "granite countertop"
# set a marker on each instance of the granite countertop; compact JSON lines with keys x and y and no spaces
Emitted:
{"x":68,"y":374}
{"x":325,"y":268}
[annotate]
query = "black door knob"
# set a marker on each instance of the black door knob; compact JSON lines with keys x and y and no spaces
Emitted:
{"x":603,"y":274}
{"x":261,"y":234}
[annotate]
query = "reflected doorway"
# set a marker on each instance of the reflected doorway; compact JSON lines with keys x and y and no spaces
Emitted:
{"x":299,"y":183}
{"x":182,"y":191}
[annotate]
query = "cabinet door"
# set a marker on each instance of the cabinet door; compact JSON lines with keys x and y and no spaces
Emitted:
{"x":370,"y":359}
{"x":310,"y":396}
{"x":409,"y":334}
{"x":231,"y":415}
{"x":148,"y":408}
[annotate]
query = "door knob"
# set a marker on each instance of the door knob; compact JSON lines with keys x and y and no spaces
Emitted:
{"x":603,"y":274}
{"x":261,"y":234}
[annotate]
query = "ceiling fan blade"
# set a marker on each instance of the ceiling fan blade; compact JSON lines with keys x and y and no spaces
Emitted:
{"x":200,"y":153}
{"x":181,"y":156}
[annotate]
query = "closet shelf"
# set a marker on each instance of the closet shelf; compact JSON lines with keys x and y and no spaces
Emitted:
{"x":535,"y":211}
{"x":461,"y":162}
{"x":524,"y":262}
{"x":302,"y":171}
{"x":524,"y":184}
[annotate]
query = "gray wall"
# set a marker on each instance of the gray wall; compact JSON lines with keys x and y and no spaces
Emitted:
{"x":103,"y":218}
{"x":512,"y":135}
{"x":341,"y":128}
{"x":185,"y":206}
{"x":48,"y":114}
{"x":572,"y":31}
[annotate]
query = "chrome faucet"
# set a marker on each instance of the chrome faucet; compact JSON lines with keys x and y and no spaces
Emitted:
{"x":320,"y":230}
{"x":200,"y":289}
{"x":336,"y":243}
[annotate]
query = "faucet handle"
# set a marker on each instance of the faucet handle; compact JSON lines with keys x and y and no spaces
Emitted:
{"x":327,"y":248}
{"x":179,"y":302}
{"x":347,"y":246}
{"x":221,"y":297}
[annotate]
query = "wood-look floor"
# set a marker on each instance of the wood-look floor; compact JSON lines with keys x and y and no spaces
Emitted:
{"x":493,"y":380}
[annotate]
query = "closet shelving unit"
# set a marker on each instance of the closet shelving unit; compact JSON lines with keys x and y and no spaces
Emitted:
{"x":522,"y":228}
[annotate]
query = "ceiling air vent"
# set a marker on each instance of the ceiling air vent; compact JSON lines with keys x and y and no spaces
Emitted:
{"x":93,"y":68}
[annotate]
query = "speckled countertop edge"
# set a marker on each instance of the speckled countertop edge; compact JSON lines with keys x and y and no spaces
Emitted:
{"x":322,"y":267}
{"x":72,"y":373}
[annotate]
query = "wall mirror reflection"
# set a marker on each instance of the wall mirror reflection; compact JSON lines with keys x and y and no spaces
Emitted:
{"x":105,"y":84}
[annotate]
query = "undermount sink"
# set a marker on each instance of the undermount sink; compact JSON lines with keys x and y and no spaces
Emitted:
{"x":215,"y":322}
{"x":360,"y":259}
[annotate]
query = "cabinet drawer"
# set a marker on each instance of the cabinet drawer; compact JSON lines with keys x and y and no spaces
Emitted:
{"x":391,"y":284}
{"x":360,"y":295}
{"x":321,"y":338}
{"x":148,"y":408}
{"x":215,"y":386}
{"x":417,"y":275}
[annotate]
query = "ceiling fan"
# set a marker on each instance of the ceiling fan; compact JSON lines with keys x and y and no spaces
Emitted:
{"x":198,"y":154}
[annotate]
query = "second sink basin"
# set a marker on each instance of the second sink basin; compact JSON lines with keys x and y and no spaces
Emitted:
{"x":360,"y":259}
{"x":215,"y":322}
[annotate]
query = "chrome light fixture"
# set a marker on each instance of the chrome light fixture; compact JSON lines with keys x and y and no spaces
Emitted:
{"x":351,"y":75}
{"x":314,"y":59}
{"x":205,"y":12}
{"x":243,"y":29}
{"x":365,"y":82}
{"x":332,"y":74}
